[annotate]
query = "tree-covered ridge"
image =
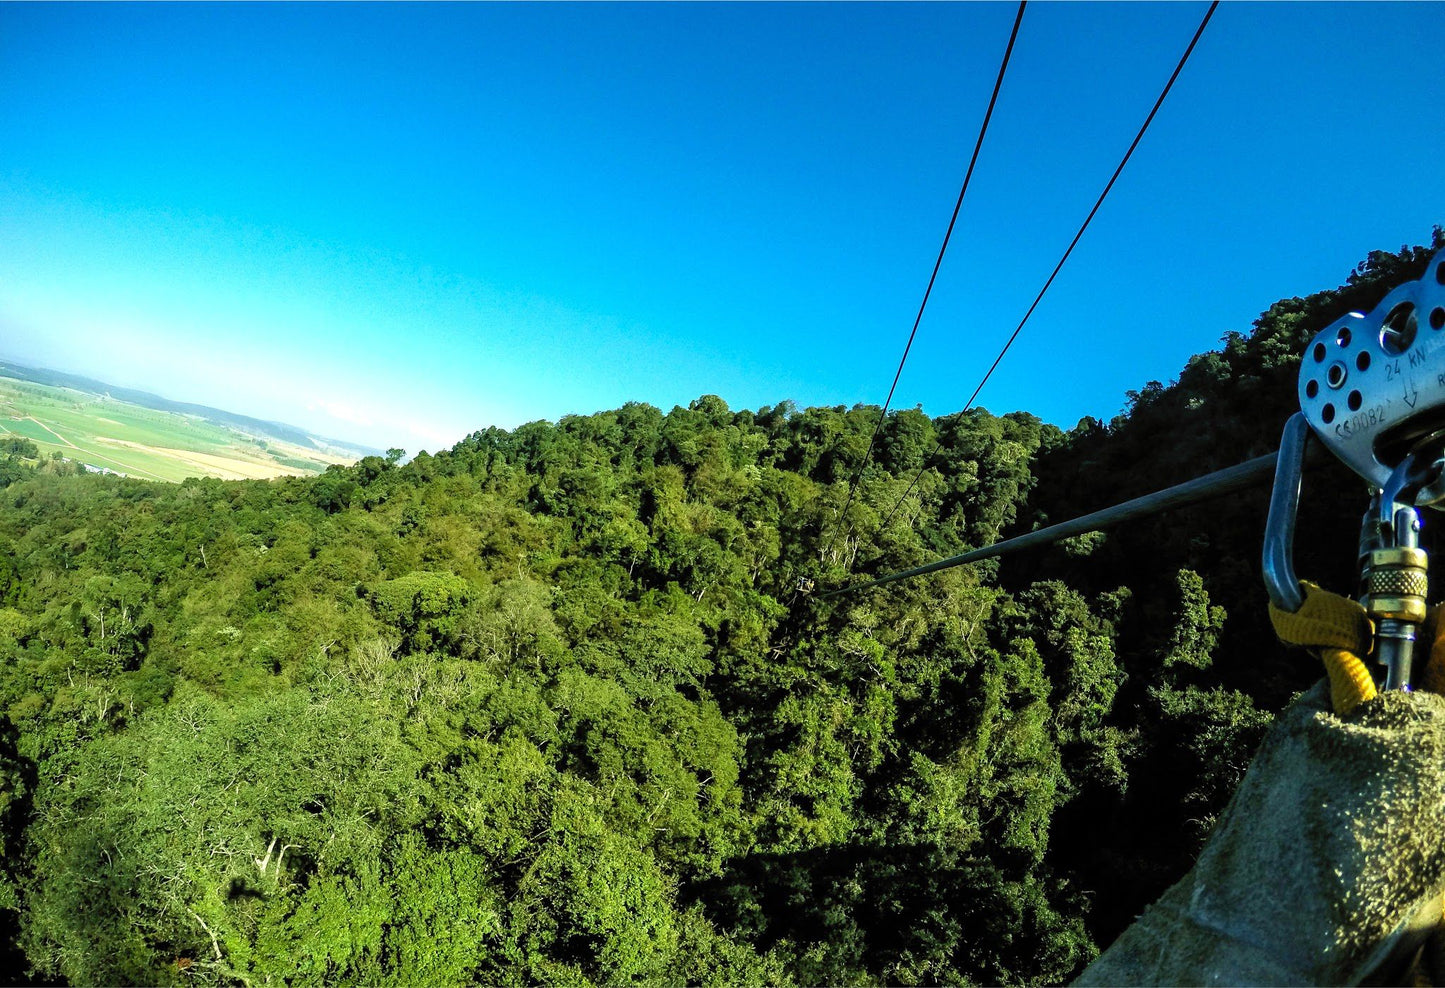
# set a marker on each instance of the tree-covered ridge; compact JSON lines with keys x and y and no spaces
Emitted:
{"x":557,"y":706}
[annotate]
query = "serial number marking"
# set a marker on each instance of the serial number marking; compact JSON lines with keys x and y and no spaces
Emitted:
{"x":1362,"y":421}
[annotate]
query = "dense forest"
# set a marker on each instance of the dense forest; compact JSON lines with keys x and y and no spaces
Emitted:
{"x":564,"y":705}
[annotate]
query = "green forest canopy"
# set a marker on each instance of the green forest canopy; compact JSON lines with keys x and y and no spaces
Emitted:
{"x":551,"y":707}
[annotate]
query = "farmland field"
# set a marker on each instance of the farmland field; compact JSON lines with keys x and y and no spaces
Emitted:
{"x":107,"y":433}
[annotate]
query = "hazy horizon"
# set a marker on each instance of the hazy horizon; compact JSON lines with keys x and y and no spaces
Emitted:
{"x":397,"y":224}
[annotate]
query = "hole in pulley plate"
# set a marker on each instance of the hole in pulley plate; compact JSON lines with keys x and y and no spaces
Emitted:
{"x":1397,"y":333}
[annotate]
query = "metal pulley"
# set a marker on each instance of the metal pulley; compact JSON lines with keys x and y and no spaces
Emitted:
{"x":1372,"y":392}
{"x":1372,"y":385}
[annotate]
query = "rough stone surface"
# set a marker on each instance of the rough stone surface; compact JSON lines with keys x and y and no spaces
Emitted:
{"x":1326,"y":868}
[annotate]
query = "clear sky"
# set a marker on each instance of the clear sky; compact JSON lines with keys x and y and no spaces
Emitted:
{"x":400,"y":223}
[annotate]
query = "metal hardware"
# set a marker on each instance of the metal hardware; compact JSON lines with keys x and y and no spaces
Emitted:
{"x":1394,"y":569}
{"x":1394,"y":583}
{"x":1373,"y":385}
{"x":1279,"y":578}
{"x":1372,"y":390}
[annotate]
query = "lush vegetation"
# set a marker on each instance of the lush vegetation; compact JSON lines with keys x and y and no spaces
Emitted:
{"x":557,"y":706}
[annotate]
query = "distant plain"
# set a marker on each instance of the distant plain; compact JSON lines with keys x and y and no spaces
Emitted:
{"x":108,"y":433}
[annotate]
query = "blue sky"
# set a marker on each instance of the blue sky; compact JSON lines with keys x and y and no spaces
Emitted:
{"x":400,"y":223}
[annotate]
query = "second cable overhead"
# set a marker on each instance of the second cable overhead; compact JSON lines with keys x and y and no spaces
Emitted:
{"x":1058,"y":267}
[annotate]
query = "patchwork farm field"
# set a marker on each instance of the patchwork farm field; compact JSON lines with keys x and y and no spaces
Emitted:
{"x":109,"y":434}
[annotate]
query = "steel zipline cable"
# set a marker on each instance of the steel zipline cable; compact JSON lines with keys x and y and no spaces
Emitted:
{"x":978,"y":144}
{"x":1257,"y":472}
{"x":1058,"y":267}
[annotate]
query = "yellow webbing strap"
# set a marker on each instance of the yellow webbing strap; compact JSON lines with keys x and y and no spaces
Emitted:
{"x":1340,"y":629}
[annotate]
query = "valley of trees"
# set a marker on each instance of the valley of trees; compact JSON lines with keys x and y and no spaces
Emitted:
{"x":555,"y":706}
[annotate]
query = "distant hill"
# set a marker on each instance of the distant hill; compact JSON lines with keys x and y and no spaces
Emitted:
{"x":260,"y":428}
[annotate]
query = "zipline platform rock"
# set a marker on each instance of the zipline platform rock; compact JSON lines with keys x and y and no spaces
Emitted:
{"x":1325,"y":868}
